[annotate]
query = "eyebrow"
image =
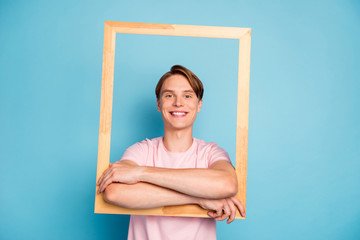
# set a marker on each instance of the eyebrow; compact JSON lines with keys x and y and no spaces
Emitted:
{"x":168,"y":90}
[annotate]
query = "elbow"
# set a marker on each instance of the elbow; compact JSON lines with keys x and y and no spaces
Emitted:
{"x":109,"y":194}
{"x":233,"y":189}
{"x":229,"y":187}
{"x":113,"y":195}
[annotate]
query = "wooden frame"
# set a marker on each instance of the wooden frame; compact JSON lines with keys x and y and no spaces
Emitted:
{"x":111,"y":28}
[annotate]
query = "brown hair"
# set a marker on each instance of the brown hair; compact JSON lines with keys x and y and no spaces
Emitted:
{"x":193,"y":80}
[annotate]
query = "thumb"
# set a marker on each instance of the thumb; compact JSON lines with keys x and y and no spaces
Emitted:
{"x":211,"y":214}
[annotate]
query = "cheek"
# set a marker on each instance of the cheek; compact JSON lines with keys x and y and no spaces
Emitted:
{"x":163,"y":105}
{"x":193,"y":105}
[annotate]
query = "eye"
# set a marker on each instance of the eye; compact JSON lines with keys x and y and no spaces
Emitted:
{"x":168,"y":95}
{"x":187,"y":96}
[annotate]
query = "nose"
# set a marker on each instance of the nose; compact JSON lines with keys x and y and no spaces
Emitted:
{"x":177,"y":102}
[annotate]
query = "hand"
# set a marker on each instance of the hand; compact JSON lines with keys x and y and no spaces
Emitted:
{"x":222,"y":208}
{"x":233,"y":204}
{"x":219,"y":208}
{"x":122,"y":171}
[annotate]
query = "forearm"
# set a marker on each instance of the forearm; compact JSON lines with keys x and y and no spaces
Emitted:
{"x":217,"y":182}
{"x":203,"y":183}
{"x":144,"y":195}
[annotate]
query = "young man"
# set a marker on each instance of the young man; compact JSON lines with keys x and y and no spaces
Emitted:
{"x":175,"y":169}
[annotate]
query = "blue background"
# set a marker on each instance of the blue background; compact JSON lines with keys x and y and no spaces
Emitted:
{"x":304,"y":147}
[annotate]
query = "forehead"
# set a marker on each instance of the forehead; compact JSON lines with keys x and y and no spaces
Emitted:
{"x":176,"y":82}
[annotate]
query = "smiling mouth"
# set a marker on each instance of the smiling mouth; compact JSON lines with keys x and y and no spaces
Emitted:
{"x":178,"y":114}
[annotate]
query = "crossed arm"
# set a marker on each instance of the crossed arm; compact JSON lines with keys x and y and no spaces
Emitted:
{"x":128,"y":185}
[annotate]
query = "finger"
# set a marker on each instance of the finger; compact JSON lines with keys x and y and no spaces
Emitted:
{"x":105,"y":181}
{"x":101,"y":179}
{"x":221,"y":218}
{"x":103,"y":175}
{"x":105,"y":184}
{"x":211,"y":214}
{"x":233,"y":211}
{"x":101,"y":185}
{"x":239,"y":206}
{"x":226,"y":211}
{"x":219,"y":211}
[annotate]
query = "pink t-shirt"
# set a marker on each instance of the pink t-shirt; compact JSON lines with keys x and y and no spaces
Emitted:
{"x":153,"y":153}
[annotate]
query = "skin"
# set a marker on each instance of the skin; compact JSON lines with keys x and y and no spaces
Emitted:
{"x":215,"y":187}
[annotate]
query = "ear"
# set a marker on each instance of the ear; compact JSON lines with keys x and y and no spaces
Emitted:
{"x":199,"y":105}
{"x":158,"y":105}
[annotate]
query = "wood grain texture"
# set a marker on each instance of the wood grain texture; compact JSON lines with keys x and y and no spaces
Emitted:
{"x":243,"y":115}
{"x":178,"y":30}
{"x":180,"y":211}
{"x":105,"y":108}
{"x":110,"y":30}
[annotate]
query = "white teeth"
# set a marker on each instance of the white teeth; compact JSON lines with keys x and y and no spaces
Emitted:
{"x":178,"y":113}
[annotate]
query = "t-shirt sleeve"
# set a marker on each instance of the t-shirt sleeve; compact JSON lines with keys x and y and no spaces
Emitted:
{"x":217,"y":154}
{"x":136,"y":153}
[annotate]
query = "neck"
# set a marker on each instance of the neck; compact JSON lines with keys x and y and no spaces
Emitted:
{"x":178,"y":140}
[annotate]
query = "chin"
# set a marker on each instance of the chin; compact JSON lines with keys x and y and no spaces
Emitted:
{"x":178,"y":127}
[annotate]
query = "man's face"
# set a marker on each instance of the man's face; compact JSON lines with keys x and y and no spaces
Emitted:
{"x":178,"y":103}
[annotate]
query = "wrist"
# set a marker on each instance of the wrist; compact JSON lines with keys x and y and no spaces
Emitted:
{"x":141,"y":173}
{"x":198,"y":201}
{"x":191,"y":200}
